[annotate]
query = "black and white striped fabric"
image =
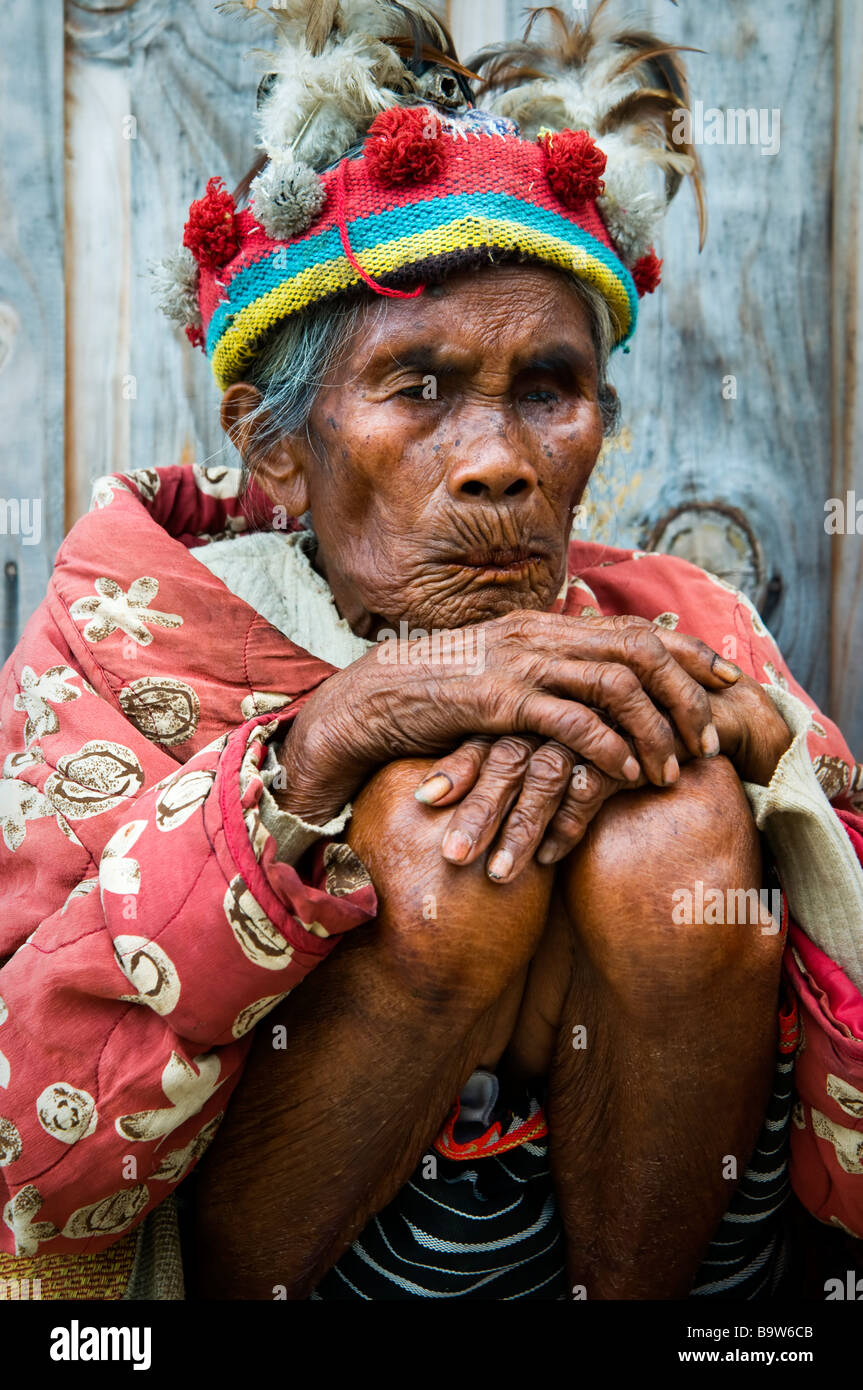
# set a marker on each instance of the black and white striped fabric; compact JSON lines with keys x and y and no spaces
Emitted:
{"x":748,"y":1255}
{"x":490,"y":1228}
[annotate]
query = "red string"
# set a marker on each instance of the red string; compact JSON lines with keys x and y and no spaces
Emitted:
{"x":341,"y":218}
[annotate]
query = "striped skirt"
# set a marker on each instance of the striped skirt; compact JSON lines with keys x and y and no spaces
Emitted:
{"x":478,"y":1219}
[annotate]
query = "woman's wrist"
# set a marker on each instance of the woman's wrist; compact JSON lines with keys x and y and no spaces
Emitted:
{"x":312,"y":786}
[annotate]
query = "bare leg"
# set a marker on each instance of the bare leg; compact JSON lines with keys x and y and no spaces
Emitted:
{"x":674,"y":1072}
{"x":381,"y":1038}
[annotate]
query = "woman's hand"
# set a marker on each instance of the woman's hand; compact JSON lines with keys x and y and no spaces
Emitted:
{"x":752,"y":732}
{"x":554,"y":677}
{"x":533,"y":797}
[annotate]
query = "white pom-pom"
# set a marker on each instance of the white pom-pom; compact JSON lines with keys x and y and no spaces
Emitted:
{"x":631,"y":206}
{"x":175,"y":283}
{"x":287,"y":196}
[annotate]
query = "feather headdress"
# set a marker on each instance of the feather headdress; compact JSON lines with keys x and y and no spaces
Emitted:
{"x":626,"y":88}
{"x":334,"y":66}
{"x":376,"y":168}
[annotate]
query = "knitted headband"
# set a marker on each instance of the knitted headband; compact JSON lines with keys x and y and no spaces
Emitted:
{"x":381,"y":172}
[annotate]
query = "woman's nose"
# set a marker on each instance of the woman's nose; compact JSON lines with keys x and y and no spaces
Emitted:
{"x":493,"y":471}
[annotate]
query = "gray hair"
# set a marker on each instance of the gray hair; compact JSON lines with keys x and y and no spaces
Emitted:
{"x":294,"y":363}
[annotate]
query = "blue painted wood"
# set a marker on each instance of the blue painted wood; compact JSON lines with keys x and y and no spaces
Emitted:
{"x":31,"y":306}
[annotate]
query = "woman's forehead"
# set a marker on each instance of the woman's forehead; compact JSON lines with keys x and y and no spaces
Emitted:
{"x":509,"y":306}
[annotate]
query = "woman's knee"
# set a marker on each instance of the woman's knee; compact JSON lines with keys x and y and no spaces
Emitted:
{"x":448,"y":931}
{"x":666,"y":887}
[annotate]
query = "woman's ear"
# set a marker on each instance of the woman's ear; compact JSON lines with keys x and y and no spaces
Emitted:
{"x":278,"y":466}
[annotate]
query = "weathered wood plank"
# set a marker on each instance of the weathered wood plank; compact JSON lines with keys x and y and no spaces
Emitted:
{"x":161,"y":96}
{"x":31,"y":305}
{"x":846,"y":617}
{"x":753,"y":307}
{"x":193,"y":90}
{"x":98,"y":235}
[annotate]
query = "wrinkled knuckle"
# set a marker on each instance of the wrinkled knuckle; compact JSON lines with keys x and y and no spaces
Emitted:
{"x":576,"y":810}
{"x":621,"y":682}
{"x":550,"y":767}
{"x":521,"y":828}
{"x":696,"y":704}
{"x":660,"y":728}
{"x":640,"y":645}
{"x":509,"y":755}
{"x":480,"y":806}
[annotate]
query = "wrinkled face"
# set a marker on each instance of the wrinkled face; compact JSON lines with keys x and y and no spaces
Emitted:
{"x":448,"y":450}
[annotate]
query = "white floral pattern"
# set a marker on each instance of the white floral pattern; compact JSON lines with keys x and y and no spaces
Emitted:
{"x":96,"y":778}
{"x":28,"y":757}
{"x":81,"y":890}
{"x":38,"y":693}
{"x":151,"y":971}
{"x":177,"y":1163}
{"x":259,"y":940}
{"x":109,"y":1216}
{"x":104,"y":490}
{"x":847,"y":1143}
{"x":253,"y":1013}
{"x":5,"y":1069}
{"x":217,"y":480}
{"x":846,"y":1096}
{"x":66,"y":1112}
{"x":147,"y":481}
{"x":117,"y":873}
{"x":20,"y":803}
{"x":186,"y":1088}
{"x":182,"y":796}
{"x":115,"y":610}
{"x":19,"y":1214}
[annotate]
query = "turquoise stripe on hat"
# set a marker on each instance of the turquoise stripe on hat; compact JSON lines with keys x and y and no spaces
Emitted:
{"x":291,"y":258}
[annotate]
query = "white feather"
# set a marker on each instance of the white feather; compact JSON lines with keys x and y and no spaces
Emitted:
{"x":330,"y":99}
{"x":580,"y":98}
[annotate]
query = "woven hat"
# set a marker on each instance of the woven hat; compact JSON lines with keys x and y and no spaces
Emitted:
{"x":380,"y":173}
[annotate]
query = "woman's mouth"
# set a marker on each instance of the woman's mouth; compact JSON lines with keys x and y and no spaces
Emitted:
{"x":503,"y":564}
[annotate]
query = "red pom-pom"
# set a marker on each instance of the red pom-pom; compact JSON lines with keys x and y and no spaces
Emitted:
{"x":647,"y":273}
{"x":576,"y":165}
{"x":210,"y":233}
{"x":405,"y":145}
{"x":195,"y":336}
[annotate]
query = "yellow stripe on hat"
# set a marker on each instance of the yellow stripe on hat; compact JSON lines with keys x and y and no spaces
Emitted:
{"x":237,"y":346}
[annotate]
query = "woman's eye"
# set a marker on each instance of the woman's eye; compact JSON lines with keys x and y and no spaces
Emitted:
{"x":543,"y":397}
{"x":414,"y":393}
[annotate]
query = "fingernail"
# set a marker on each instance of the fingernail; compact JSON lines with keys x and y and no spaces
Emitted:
{"x":547,"y":852}
{"x":500,"y":864}
{"x":671,"y":771}
{"x":631,"y":770}
{"x":456,"y":846}
{"x":710,"y":741}
{"x":433,"y":788}
{"x":726,"y":670}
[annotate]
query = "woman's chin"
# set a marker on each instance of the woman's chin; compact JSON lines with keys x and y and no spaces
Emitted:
{"x":481,"y":606}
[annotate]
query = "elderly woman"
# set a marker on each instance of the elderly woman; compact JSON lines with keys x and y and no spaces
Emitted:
{"x":517,"y":771}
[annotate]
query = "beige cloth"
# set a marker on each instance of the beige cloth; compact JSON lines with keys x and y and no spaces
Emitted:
{"x":820,"y":872}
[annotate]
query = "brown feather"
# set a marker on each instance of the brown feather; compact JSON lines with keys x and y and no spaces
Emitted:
{"x":241,"y":191}
{"x":319,"y":25}
{"x":576,"y":40}
{"x":245,"y":8}
{"x":646,"y":102}
{"x":405,"y":46}
{"x":661,"y":57}
{"x":507,"y":65}
{"x":426,"y":29}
